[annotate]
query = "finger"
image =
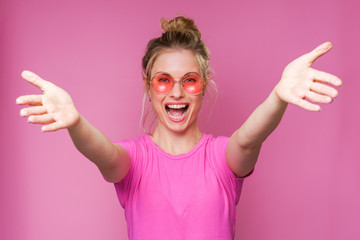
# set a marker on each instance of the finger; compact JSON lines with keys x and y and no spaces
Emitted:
{"x":25,"y":112}
{"x":324,"y":89}
{"x":305,"y":104}
{"x":34,"y":79}
{"x":316,"y":53}
{"x":41,"y":119}
{"x":33,"y":100}
{"x":317,"y":98}
{"x":51,"y":127}
{"x":326,"y":77}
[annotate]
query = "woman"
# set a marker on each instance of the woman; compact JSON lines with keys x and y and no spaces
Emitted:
{"x":177,"y":182}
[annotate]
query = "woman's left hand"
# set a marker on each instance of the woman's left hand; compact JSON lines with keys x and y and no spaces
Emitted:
{"x":300,"y":82}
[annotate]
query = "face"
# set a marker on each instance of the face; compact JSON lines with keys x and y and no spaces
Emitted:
{"x":176,"y":109}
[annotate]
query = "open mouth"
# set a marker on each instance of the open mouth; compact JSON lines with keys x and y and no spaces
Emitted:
{"x":176,"y":111}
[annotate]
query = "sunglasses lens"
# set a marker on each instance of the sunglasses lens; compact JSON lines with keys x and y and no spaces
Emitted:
{"x":162,"y":83}
{"x":193,"y":84}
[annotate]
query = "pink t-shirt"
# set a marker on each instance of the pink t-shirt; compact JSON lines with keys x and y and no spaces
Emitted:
{"x":186,"y":196}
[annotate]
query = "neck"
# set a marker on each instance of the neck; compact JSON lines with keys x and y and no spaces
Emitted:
{"x":176,"y":142}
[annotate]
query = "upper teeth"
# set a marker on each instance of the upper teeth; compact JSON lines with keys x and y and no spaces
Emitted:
{"x":176,"y":106}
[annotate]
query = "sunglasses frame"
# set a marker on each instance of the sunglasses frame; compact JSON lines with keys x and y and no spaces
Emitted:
{"x":181,"y":81}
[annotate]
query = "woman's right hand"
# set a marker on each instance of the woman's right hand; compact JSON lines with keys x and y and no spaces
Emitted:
{"x":54,"y":109}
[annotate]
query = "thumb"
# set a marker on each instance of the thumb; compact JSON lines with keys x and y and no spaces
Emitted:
{"x":34,"y":79}
{"x":316,"y":53}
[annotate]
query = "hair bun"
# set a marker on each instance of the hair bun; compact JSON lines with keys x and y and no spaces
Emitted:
{"x":180,"y":24}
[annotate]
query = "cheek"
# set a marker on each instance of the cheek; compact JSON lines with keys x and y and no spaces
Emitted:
{"x":197,"y":103}
{"x":156,"y":100}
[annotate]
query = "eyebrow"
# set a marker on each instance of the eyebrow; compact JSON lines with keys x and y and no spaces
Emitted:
{"x":168,"y":74}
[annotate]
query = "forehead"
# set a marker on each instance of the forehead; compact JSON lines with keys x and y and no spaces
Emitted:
{"x":176,"y":62}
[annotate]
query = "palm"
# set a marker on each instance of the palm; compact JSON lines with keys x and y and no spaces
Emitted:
{"x":54,"y":107}
{"x":300,"y":82}
{"x":58,"y":104}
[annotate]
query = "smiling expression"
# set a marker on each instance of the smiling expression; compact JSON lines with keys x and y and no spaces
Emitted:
{"x":176,"y":110}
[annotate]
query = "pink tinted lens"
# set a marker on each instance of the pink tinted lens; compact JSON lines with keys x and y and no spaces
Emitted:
{"x":162,"y":83}
{"x":193,"y":84}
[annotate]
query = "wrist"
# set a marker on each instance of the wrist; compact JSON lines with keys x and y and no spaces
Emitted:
{"x":277,"y":98}
{"x":77,"y":119}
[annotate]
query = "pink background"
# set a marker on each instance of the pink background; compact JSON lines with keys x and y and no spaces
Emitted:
{"x":306,"y":183}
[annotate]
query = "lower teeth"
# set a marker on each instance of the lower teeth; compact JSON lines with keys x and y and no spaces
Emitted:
{"x":177,"y":117}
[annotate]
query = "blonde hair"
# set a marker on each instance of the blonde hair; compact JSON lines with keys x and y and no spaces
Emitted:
{"x":179,"y":33}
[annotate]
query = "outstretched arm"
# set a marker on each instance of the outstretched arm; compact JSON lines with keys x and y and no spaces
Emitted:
{"x":54,"y":109}
{"x":300,"y":85}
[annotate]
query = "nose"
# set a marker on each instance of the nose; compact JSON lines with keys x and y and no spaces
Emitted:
{"x":178,"y":90}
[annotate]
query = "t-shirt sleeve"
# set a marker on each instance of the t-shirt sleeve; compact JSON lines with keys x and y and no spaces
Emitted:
{"x":235,"y":183}
{"x":124,"y":186}
{"x":223,"y":142}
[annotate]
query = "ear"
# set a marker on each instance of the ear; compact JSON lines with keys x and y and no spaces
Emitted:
{"x":145,"y":79}
{"x":146,"y":84}
{"x":206,"y":83}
